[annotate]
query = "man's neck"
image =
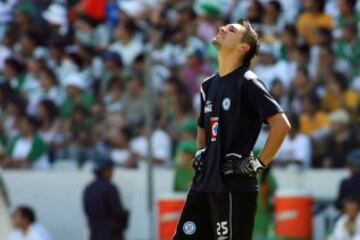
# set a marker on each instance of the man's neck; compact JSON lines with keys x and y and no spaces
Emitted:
{"x":228,"y":62}
{"x":25,"y":229}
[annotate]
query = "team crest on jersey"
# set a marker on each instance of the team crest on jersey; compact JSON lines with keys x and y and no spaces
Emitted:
{"x":208,"y":107}
{"x":189,"y":228}
{"x":226,"y":103}
{"x":214,"y":128}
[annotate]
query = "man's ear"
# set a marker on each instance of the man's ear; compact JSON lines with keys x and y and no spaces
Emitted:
{"x":243,"y":48}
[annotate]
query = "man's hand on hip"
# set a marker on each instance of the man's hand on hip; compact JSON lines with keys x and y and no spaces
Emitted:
{"x":240,"y":165}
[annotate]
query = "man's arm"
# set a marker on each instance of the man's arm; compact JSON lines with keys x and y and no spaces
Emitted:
{"x":200,"y":138}
{"x":279,"y":127}
{"x":115,"y":205}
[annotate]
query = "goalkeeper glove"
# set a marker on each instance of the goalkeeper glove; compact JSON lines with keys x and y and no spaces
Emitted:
{"x":240,"y":165}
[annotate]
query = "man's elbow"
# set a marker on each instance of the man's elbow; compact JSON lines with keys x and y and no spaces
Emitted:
{"x":286,"y":125}
{"x":280,"y":123}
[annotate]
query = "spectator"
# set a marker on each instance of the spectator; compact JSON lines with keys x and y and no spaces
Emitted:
{"x":273,"y":22}
{"x":5,"y":52}
{"x":26,"y":225}
{"x":49,"y":130}
{"x":119,"y":144}
{"x":127,"y":43}
{"x":13,"y":112}
{"x":313,"y":121}
{"x":192,"y":74}
{"x":56,"y":17}
{"x":325,"y":41}
{"x":208,"y":22}
{"x":75,"y":95}
{"x":134,"y":101}
{"x":288,"y":36}
{"x":255,"y":13}
{"x":302,"y":57}
{"x":265,"y":67}
{"x":29,"y":46}
{"x":113,"y":97}
{"x":184,"y":173}
{"x":347,"y":47}
{"x":347,"y":13}
{"x":88,"y":32}
{"x":160,"y":143}
{"x":338,"y":95}
{"x":278,"y":91}
{"x":92,"y":64}
{"x":350,"y":187}
{"x":168,"y":94}
{"x":187,"y":129}
{"x":34,"y":66}
{"x":264,"y":214}
{"x":347,"y":227}
{"x":113,"y":67}
{"x":341,"y":140}
{"x":298,"y":90}
{"x":72,"y":64}
{"x":28,"y":149}
{"x":311,"y":19}
{"x":106,"y":216}
{"x":326,"y":60}
{"x":56,"y":55}
{"x":79,"y":135}
{"x":14,"y":73}
{"x":46,"y":88}
{"x":296,"y":148}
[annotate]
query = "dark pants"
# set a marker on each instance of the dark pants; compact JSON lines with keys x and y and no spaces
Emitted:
{"x":105,"y":234}
{"x":217,"y":216}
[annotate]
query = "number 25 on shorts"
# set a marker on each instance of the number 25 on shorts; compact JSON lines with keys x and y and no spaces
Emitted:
{"x":222,"y":228}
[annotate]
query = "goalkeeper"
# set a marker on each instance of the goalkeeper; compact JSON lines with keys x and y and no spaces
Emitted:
{"x":221,"y":203}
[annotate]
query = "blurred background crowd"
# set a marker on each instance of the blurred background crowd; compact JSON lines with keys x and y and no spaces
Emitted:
{"x":77,"y":77}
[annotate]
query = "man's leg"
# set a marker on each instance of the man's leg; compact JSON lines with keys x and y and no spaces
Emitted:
{"x":195,"y":220}
{"x":233,"y":215}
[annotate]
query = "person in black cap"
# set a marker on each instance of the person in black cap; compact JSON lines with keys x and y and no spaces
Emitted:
{"x":106,"y":215}
{"x":350,"y":187}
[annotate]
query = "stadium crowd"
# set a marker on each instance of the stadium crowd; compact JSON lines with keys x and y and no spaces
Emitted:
{"x":76,"y":78}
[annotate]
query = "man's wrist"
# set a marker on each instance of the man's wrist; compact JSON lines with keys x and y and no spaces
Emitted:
{"x":258,"y":165}
{"x":261,"y":162}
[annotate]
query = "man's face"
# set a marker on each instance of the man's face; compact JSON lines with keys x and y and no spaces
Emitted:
{"x":229,"y":36}
{"x":351,"y":209}
{"x":18,"y":220}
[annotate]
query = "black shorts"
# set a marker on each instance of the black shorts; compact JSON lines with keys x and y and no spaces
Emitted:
{"x":217,"y":216}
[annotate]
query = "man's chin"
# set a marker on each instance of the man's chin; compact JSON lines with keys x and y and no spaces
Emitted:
{"x":215,"y":42}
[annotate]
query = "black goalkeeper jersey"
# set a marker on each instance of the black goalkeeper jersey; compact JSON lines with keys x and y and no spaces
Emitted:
{"x":233,"y":108}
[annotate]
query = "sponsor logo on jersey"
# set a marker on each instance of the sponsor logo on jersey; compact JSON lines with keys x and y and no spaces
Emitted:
{"x":222,"y":238}
{"x":208,"y":107}
{"x":189,"y":228}
{"x":214,"y":128}
{"x":226,"y":104}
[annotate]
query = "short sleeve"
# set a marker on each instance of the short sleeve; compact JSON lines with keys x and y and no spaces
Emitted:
{"x":202,"y":105}
{"x":259,"y":101}
{"x":204,"y":88}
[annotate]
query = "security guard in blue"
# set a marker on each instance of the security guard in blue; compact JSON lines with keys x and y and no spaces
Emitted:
{"x":221,"y":203}
{"x":107,"y":219}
